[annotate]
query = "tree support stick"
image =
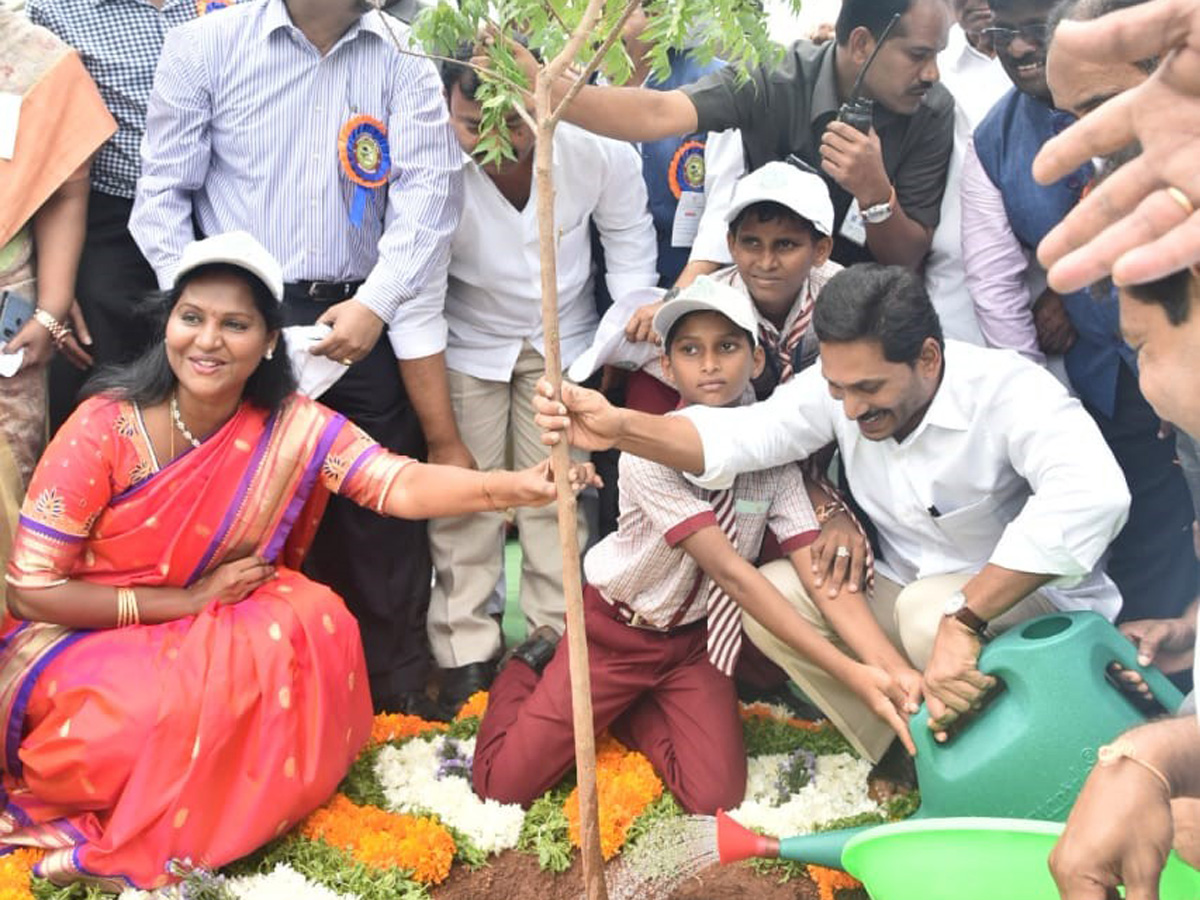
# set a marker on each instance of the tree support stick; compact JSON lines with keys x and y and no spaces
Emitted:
{"x":581,"y":691}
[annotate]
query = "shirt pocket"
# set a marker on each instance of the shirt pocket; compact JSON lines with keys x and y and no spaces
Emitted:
{"x":974,"y":529}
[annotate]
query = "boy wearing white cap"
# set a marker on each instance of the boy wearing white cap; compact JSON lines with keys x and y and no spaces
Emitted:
{"x":780,"y":220}
{"x":664,"y":602}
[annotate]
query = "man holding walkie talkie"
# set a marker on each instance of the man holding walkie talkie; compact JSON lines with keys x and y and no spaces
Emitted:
{"x":880,"y":133}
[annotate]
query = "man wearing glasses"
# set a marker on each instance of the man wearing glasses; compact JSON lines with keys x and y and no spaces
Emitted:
{"x":1005,"y":214}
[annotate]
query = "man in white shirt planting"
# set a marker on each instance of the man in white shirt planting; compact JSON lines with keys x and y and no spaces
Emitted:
{"x":993,"y":494}
{"x":494,"y":354}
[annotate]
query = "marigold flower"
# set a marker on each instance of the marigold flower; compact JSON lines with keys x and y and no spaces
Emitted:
{"x":830,"y":881}
{"x":15,"y":871}
{"x":383,"y":839}
{"x":398,"y":726}
{"x":475,"y":706}
{"x":625,"y":785}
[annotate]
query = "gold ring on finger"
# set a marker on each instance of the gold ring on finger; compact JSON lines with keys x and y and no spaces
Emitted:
{"x":1181,"y":198}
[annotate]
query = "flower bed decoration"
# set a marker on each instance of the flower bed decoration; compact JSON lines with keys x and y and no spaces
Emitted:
{"x":406,"y":815}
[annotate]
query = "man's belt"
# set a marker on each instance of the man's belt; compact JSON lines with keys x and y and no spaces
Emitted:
{"x":323,"y":290}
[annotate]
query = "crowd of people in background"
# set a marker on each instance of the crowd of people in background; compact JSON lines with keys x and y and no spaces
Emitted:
{"x":281,"y":324}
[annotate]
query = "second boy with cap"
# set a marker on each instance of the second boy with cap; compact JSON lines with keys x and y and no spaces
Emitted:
{"x":664,"y":602}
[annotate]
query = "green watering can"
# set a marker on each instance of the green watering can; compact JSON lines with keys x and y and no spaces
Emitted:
{"x":979,"y":858}
{"x":1026,"y":753}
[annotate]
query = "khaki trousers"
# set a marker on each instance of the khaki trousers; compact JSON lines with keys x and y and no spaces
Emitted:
{"x":909,"y":616}
{"x":468,"y":551}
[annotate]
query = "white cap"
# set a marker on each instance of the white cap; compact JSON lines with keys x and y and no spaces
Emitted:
{"x":610,"y":347}
{"x":235,"y":248}
{"x":705,"y":294}
{"x":803,"y":193}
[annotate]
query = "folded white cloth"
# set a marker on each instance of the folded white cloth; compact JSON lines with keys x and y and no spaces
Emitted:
{"x":316,"y":374}
{"x":610,"y":346}
{"x":10,"y":363}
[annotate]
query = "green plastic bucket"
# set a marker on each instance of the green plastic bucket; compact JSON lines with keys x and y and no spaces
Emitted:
{"x":975,"y":858}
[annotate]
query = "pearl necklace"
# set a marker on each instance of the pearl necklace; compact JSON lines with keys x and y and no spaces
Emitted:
{"x":178,"y":420}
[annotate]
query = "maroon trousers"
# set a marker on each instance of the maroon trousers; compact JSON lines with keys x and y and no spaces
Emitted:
{"x":657,"y":692}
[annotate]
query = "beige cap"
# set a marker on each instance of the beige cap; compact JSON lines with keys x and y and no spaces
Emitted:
{"x":803,"y":193}
{"x":705,"y":294}
{"x":235,"y":248}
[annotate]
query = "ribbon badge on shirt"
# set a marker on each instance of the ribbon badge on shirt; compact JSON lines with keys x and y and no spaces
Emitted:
{"x":686,"y":172}
{"x":204,"y":7}
{"x":366,"y":160}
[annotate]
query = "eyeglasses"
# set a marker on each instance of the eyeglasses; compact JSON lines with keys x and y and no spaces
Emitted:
{"x":1035,"y":33}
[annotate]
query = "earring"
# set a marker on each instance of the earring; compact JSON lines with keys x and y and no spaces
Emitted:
{"x":270,"y":354}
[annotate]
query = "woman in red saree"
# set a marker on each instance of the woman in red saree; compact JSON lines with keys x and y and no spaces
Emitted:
{"x":171,"y":687}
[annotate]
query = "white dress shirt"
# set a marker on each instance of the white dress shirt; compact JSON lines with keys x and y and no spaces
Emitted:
{"x":242,"y":132}
{"x":1005,"y":467}
{"x":977,"y":81}
{"x":724,"y":164}
{"x":493,"y":297}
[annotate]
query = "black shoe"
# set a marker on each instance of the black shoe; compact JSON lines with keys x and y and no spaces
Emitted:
{"x":458,"y":684}
{"x":896,"y":768}
{"x":536,"y":650}
{"x":412,"y":703}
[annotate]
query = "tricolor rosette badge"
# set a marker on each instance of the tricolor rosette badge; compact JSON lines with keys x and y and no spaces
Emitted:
{"x":686,"y":172}
{"x":366,"y":160}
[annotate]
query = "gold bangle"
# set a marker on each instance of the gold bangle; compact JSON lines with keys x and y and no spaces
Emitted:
{"x":127,"y":607}
{"x":487,"y":493}
{"x":1124,"y":748}
{"x":58,"y":331}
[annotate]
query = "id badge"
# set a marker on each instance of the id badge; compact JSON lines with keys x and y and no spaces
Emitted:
{"x":853,"y":227}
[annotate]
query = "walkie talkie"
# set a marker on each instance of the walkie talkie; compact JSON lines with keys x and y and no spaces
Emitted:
{"x":859,"y":111}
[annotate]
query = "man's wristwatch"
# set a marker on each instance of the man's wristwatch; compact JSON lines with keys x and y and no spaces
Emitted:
{"x":956,"y":608}
{"x":880,"y":212}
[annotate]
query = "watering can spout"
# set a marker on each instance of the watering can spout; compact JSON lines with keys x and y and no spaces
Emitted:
{"x":735,"y":843}
{"x":824,"y":848}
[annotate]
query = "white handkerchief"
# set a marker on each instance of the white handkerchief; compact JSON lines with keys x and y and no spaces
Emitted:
{"x":610,"y":347}
{"x":316,"y":374}
{"x":10,"y":363}
{"x":10,"y":114}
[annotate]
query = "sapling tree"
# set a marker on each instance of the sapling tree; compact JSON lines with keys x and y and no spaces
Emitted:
{"x":575,"y":40}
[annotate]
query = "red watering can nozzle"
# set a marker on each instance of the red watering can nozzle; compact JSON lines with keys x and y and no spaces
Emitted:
{"x":736,"y":843}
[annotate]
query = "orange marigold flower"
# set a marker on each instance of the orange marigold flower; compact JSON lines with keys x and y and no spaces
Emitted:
{"x":830,"y":881}
{"x":15,"y":871}
{"x":383,"y":839}
{"x":625,"y":785}
{"x":398,"y":726}
{"x":475,"y":706}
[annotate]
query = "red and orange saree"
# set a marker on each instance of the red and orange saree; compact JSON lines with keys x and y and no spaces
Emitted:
{"x":204,"y":737}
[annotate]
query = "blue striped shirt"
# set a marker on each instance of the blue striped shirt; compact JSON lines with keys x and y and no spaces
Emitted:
{"x":242,"y":131}
{"x":119,"y":42}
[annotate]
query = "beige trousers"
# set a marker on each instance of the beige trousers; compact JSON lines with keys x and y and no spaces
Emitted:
{"x":909,"y":616}
{"x":468,"y":551}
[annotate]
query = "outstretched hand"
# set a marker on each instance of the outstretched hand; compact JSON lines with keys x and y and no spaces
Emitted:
{"x":583,"y":417}
{"x":535,"y":486}
{"x":1138,"y":223}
